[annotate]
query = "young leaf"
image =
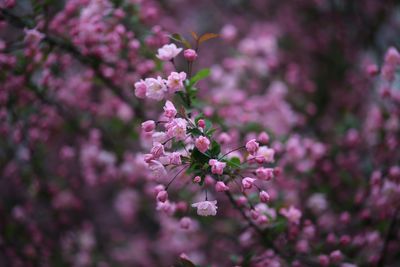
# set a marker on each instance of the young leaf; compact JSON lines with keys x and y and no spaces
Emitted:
{"x":215,"y":149}
{"x":195,"y":36}
{"x":234,"y":162}
{"x":204,"y":73}
{"x":198,"y":157}
{"x":179,"y":38}
{"x":207,"y":36}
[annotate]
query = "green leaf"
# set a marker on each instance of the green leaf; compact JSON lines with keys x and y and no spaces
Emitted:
{"x":198,"y":157}
{"x":208,"y":125}
{"x":202,"y":74}
{"x":234,"y":162}
{"x":195,"y":131}
{"x":179,"y":38}
{"x":215,"y":149}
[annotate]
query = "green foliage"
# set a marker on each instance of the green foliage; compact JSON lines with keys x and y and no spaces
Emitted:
{"x":214,"y":150}
{"x":234,"y":162}
{"x":180,"y":39}
{"x":200,"y":75}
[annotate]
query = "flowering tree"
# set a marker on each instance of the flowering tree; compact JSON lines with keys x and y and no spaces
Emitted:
{"x":272,"y":143}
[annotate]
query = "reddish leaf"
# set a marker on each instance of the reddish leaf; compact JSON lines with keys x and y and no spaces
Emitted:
{"x":195,"y":36}
{"x":207,"y":36}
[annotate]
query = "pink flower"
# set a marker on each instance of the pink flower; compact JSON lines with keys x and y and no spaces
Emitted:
{"x":264,"y":197}
{"x":221,"y":186}
{"x":336,"y":256}
{"x":158,"y":189}
{"x":206,"y":208}
{"x":157,"y":150}
{"x":175,"y":158}
{"x":252,"y":146}
{"x":33,"y":36}
{"x":177,"y":128}
{"x":169,"y":110}
{"x":248,"y":182}
{"x":323,"y":260}
{"x":265,"y":154}
{"x":262,"y":219}
{"x":148,"y":158}
{"x":162,"y":196}
{"x":201,"y":123}
{"x":158,"y":170}
{"x":185,"y":223}
{"x":265,"y":173}
{"x":202,"y":143}
{"x":148,"y":126}
{"x":197,"y":179}
{"x":217,"y":167}
{"x":140,"y":89}
{"x":292,"y":214}
{"x":190,"y":54}
{"x":263,"y":138}
{"x":156,"y":88}
{"x":168,"y":52}
{"x":175,"y":81}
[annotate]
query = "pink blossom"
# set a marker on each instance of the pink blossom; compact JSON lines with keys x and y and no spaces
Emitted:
{"x":185,"y":223}
{"x":217,"y":167}
{"x":202,"y":143}
{"x":168,"y":52}
{"x":323,"y":260}
{"x":292,"y":214}
{"x":157,"y":150}
{"x":197,"y":179}
{"x":162,"y":196}
{"x":265,"y":154}
{"x":148,"y":126}
{"x":169,"y":110}
{"x":190,"y":54}
{"x":175,"y":158}
{"x":175,"y":81}
{"x":262,"y":219}
{"x":248,"y":182}
{"x":264,"y":196}
{"x":265,"y":173}
{"x":206,"y":208}
{"x":252,"y":146}
{"x":140,"y":89}
{"x":156,"y":88}
{"x":336,"y":256}
{"x":229,"y":32}
{"x":177,"y":128}
{"x":221,"y":187}
{"x":33,"y":36}
{"x":158,"y":188}
{"x":158,"y":170}
{"x":201,"y":123}
{"x":263,"y":138}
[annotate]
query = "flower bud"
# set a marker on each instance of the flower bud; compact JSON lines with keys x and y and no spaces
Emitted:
{"x":162,"y":196}
{"x":190,"y":54}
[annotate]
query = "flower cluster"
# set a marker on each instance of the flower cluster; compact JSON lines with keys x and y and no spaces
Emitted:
{"x":185,"y":141}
